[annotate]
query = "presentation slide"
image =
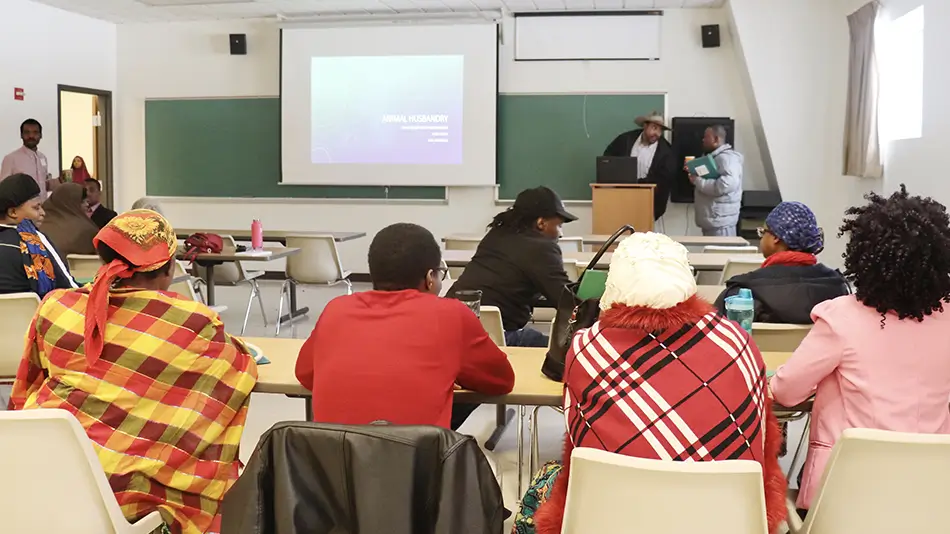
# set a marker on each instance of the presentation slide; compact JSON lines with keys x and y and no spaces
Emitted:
{"x":389,"y":105}
{"x":387,"y":109}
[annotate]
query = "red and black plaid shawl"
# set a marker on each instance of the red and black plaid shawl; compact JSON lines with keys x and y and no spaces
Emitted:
{"x":681,"y":384}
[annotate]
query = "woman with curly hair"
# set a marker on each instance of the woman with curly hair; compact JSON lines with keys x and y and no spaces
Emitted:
{"x":856,"y":359}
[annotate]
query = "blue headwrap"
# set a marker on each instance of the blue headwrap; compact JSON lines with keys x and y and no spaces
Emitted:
{"x":796,"y":226}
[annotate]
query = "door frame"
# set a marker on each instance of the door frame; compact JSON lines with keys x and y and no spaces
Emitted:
{"x":105,"y":107}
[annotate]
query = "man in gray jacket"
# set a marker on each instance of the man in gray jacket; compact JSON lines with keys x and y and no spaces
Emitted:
{"x":717,"y":200}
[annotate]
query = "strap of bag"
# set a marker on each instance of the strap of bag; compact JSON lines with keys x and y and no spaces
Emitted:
{"x":606,"y":246}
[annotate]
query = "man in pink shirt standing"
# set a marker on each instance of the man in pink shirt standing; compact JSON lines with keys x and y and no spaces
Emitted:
{"x":28,"y":159}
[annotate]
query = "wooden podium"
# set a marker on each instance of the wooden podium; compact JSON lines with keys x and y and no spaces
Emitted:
{"x":615,"y":205}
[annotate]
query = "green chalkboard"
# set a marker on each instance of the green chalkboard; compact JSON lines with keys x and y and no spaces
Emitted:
{"x":554,"y":140}
{"x":231,"y":148}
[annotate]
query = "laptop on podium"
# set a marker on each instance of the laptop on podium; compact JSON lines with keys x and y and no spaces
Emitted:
{"x":616,"y":170}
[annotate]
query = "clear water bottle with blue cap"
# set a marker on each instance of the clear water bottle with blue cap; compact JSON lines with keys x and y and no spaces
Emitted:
{"x":741,"y":309}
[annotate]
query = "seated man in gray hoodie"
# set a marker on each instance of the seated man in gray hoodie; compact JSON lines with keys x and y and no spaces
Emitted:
{"x":717,"y":200}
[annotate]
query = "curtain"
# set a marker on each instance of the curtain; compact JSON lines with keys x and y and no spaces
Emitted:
{"x":862,"y":147}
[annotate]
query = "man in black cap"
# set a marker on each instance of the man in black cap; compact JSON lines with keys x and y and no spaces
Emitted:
{"x":518,"y":260}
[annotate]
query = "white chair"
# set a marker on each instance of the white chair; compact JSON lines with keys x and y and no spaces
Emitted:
{"x":879,"y":482}
{"x":737,"y":266}
{"x":610,"y":492}
{"x":189,"y":287}
{"x":490,"y":316}
{"x":571,"y":244}
{"x":776,"y":337}
{"x":17,"y":310}
{"x":83,"y":266}
{"x":459,"y":244}
{"x":54,"y":481}
{"x":318,"y":262}
{"x":448,"y":282}
{"x":234,"y":274}
{"x":546,"y":315}
{"x":709,"y":293}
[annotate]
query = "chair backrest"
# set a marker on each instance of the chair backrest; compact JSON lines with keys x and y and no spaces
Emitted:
{"x":571,"y":244}
{"x":461,"y":244}
{"x":17,"y":311}
{"x":774,"y":337}
{"x":229,"y":272}
{"x":880,"y":481}
{"x":491,"y":321}
{"x":609,"y":492}
{"x":83,"y":266}
{"x":184,"y":287}
{"x":737,"y":266}
{"x":709,"y":293}
{"x":572,"y":269}
{"x":730,"y":249}
{"x":48,"y":464}
{"x":448,"y":282}
{"x":318,"y":261}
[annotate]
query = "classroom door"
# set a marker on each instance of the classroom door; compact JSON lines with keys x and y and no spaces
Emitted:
{"x":85,"y":130}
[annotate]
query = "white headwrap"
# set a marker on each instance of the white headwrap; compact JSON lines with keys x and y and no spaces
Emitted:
{"x":650,"y":270}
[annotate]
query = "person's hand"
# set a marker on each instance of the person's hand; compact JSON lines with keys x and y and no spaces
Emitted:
{"x":457,"y":387}
{"x":693,"y":178}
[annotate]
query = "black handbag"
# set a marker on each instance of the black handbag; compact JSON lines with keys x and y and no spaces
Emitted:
{"x":574,"y":314}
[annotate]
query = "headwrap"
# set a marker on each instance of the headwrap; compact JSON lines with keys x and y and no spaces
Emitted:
{"x":147,"y":241}
{"x":650,"y":270}
{"x":796,"y":226}
{"x":16,"y":190}
{"x":81,"y":174}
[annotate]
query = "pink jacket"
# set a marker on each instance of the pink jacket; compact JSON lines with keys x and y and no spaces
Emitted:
{"x":864,"y":376}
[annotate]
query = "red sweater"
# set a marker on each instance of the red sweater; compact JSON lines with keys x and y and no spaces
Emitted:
{"x":396,"y":356}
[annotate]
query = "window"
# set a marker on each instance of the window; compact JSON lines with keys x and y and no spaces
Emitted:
{"x":900,"y":51}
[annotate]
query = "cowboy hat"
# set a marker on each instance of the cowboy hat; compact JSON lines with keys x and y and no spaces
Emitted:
{"x":654,"y":117}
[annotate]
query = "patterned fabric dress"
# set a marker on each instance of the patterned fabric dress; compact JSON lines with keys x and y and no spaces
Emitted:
{"x":164,"y":404}
{"x":678,"y":384}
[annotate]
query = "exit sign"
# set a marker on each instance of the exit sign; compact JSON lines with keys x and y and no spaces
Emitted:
{"x":18,"y":93}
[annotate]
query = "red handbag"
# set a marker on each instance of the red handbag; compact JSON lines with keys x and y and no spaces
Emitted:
{"x":201,"y":243}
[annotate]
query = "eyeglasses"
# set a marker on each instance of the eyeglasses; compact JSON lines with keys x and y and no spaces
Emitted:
{"x":443,"y":270}
{"x":761,"y":231}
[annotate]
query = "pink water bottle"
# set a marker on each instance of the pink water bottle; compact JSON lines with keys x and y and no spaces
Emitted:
{"x":257,"y":235}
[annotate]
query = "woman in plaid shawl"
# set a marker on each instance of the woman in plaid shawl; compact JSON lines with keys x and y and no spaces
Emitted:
{"x":661,"y":376}
{"x":160,"y":388}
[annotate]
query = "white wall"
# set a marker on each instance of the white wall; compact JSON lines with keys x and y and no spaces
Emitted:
{"x":191,"y":60}
{"x":796,"y":55}
{"x":42,"y":47}
{"x":920,"y":163}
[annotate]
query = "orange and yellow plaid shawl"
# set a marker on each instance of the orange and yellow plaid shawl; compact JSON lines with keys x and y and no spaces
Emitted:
{"x":164,"y":405}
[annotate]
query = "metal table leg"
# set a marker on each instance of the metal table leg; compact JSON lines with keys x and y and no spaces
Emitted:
{"x":521,"y":412}
{"x":209,"y":269}
{"x":503,"y":417}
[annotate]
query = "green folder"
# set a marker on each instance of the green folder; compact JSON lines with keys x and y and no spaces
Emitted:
{"x":704,"y":167}
{"x":593,"y":285}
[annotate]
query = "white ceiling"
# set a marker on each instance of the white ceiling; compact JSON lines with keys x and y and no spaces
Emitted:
{"x":181,"y":10}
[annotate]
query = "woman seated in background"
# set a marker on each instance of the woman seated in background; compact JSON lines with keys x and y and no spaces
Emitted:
{"x":707,"y":374}
{"x":878,"y":358}
{"x":66,"y":223}
{"x":77,"y":172}
{"x":148,"y":203}
{"x":28,"y":261}
{"x":156,"y":382}
{"x":396,"y":352}
{"x":791,"y":281}
{"x":518,"y":261}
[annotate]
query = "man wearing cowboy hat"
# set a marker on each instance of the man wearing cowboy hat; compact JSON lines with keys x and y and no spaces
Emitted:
{"x":655,"y":161}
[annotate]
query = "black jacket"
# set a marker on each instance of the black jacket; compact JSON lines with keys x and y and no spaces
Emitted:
{"x":313,"y":478}
{"x":787,"y":293}
{"x":102,"y":216}
{"x":512,"y":269}
{"x":662,"y":172}
{"x":13,"y":277}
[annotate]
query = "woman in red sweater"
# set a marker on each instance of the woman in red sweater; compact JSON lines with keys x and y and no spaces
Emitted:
{"x":396,"y":353}
{"x":660,"y":375}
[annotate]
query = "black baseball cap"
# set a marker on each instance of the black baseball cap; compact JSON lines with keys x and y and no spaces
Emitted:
{"x":542,"y":202}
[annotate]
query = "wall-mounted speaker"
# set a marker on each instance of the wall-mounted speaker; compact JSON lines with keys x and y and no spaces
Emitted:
{"x":711,"y":36}
{"x":238,"y":44}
